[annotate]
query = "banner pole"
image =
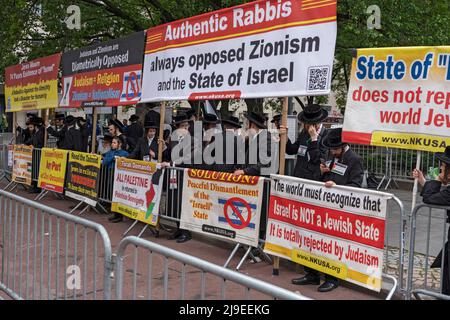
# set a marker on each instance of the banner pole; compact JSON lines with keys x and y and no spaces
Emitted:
{"x":283,"y":140}
{"x":162,"y":113}
{"x":94,"y":129}
{"x":14,"y":127}
{"x":416,"y":180}
{"x":45,"y":116}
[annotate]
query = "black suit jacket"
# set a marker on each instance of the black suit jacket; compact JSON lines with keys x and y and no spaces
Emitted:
{"x":134,"y":132}
{"x":142,"y":149}
{"x":257,"y":153}
{"x":353,"y":176}
{"x":59,"y":133}
{"x":36,"y":139}
{"x":308,"y":164}
{"x":73,"y":140}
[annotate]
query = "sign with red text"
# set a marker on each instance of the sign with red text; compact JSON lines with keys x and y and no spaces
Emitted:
{"x":106,"y":74}
{"x":338,"y":231}
{"x":52,"y":170}
{"x":83,"y":172}
{"x":266,"y":48}
{"x":22,"y":164}
{"x":137,"y":190}
{"x":222,"y":205}
{"x":32,"y":85}
{"x":400,"y":98}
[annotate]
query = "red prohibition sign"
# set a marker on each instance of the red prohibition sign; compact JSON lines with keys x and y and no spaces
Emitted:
{"x":134,"y":86}
{"x":244,"y":222}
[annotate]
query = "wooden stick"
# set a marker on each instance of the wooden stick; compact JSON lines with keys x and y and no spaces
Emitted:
{"x":94,"y":129}
{"x":45,"y":117}
{"x":283,"y":140}
{"x":162,"y":113}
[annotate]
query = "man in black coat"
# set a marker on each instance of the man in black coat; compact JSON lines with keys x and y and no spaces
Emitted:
{"x":36,"y":133}
{"x":83,"y":127}
{"x":434,"y":193}
{"x":344,"y":168}
{"x":73,"y":139}
{"x":147,"y":147}
{"x":152,"y":115}
{"x":59,"y":131}
{"x":258,"y":156}
{"x":134,"y":131}
{"x":308,"y":147}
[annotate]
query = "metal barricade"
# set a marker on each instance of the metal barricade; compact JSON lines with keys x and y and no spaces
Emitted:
{"x":35,"y":165}
{"x":428,"y":283}
{"x":106,"y":185}
{"x":49,"y":254}
{"x":173,"y":272}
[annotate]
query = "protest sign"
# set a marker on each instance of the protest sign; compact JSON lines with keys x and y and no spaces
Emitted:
{"x":255,"y":50}
{"x":106,"y":74}
{"x":222,"y":205}
{"x":52,"y":169}
{"x":338,"y":231}
{"x":399,"y":98}
{"x":82,"y":176}
{"x":137,"y":190}
{"x":32,"y":85}
{"x":22,"y":164}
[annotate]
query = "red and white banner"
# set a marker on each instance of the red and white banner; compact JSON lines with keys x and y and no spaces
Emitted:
{"x":222,"y":205}
{"x":259,"y":49}
{"x":338,"y":231}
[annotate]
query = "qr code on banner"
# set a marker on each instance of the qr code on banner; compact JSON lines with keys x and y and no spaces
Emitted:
{"x":318,"y":78}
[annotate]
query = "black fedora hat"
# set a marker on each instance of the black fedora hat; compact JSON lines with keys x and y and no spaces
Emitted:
{"x":333,"y":139}
{"x":209,"y":118}
{"x":276,"y":117}
{"x":189,"y":113}
{"x":150,"y":125}
{"x":70,"y":120}
{"x":232,"y":121}
{"x":117,"y":123}
{"x":59,"y":116}
{"x":257,"y":119}
{"x":180,"y":118}
{"x":312,"y":113}
{"x":444,"y":156}
{"x":133,"y":118}
{"x":36,"y":121}
{"x":107,"y":137}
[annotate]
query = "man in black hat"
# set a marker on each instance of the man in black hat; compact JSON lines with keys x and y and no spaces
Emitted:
{"x":73,"y":139}
{"x":83,"y":127}
{"x":344,"y":168}
{"x":36,"y":137}
{"x":276,"y":120}
{"x":308,"y":147}
{"x":258,"y":147}
{"x":182,"y":148}
{"x":106,"y":144}
{"x":59,"y":131}
{"x":135,"y":131}
{"x":23,"y":134}
{"x":152,"y":115}
{"x":116,"y":129}
{"x":147,"y":147}
{"x":437,"y":192}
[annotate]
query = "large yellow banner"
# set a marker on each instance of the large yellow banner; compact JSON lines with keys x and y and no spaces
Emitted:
{"x":400,"y":98}
{"x":32,"y":85}
{"x":52,"y":169}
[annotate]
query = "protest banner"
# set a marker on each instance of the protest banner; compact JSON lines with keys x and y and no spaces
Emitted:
{"x":137,"y":190}
{"x":222,"y":205}
{"x":255,"y":50}
{"x":106,"y":74}
{"x":338,"y":231}
{"x":22,"y":164}
{"x":83,"y":176}
{"x":32,"y":85}
{"x":52,"y":169}
{"x":399,"y":98}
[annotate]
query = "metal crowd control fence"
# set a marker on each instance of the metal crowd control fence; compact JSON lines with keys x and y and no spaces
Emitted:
{"x":49,"y":254}
{"x":173,"y":272}
{"x":393,"y":164}
{"x":428,"y":283}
